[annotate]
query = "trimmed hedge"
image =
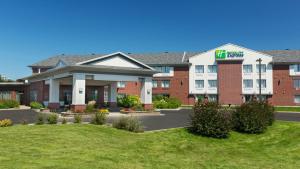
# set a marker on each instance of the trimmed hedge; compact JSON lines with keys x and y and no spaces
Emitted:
{"x":166,"y":103}
{"x":128,"y":101}
{"x":253,"y":117}
{"x":210,"y":119}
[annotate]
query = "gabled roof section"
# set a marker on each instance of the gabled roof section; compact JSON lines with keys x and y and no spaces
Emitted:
{"x":113,"y":55}
{"x":230,"y":44}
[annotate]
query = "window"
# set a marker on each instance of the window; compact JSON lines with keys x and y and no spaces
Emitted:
{"x":297,"y":83}
{"x":248,"y":83}
{"x":199,"y":69}
{"x":297,"y":99}
{"x":165,"y":84}
{"x":121,"y":84}
{"x":263,"y":68}
{"x":263,"y":83}
{"x":247,"y":68}
{"x":199,"y":84}
{"x":297,"y":68}
{"x":163,"y":69}
{"x":212,"y":68}
{"x":154,"y":84}
{"x":212,"y":83}
{"x":212,"y":98}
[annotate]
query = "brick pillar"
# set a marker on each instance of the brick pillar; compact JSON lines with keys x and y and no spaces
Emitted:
{"x":230,"y":82}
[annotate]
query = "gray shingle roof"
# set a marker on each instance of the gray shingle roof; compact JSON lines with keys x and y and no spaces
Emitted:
{"x":165,"y":58}
{"x":67,"y":59}
{"x":284,"y":56}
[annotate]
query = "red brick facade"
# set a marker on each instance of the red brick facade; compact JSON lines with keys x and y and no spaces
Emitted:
{"x":283,"y":86}
{"x":179,"y":86}
{"x":229,"y":87}
{"x":132,"y":88}
{"x":230,"y":83}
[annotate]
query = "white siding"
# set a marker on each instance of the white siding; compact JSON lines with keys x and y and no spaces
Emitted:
{"x":250,"y":57}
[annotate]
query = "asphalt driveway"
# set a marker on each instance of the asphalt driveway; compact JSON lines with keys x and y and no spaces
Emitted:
{"x":167,"y":119}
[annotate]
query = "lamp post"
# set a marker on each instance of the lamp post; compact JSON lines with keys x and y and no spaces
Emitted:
{"x":259,"y":74}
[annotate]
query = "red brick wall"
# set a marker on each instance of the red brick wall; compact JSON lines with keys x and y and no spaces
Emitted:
{"x":230,"y":82}
{"x":179,"y":86}
{"x":39,"y":87}
{"x":283,"y":86}
{"x":132,"y":88}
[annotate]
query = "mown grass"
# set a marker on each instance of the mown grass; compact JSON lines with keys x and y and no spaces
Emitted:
{"x":287,"y":109}
{"x":92,"y":146}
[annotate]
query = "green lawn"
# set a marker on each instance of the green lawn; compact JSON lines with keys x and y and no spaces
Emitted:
{"x":91,"y":146}
{"x":288,"y":109}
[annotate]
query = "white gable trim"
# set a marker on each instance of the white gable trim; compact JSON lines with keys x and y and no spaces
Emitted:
{"x":58,"y":64}
{"x":116,"y":53}
{"x":235,"y":46}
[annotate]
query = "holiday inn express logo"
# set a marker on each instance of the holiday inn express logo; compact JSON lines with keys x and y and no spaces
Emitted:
{"x":228,"y":55}
{"x":220,"y":54}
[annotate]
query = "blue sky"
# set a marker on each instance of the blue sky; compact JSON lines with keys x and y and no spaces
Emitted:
{"x":34,"y":30}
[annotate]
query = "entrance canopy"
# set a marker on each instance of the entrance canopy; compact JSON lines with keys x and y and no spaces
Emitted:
{"x":105,"y":70}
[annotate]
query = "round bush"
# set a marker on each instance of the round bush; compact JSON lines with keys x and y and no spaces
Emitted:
{"x":253,"y":117}
{"x":210,"y":119}
{"x":36,"y":105}
{"x":129,"y":101}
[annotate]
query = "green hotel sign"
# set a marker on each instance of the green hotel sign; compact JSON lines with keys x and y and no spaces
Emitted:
{"x":229,"y":55}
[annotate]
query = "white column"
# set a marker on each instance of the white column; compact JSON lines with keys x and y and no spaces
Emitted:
{"x":112,"y":92}
{"x":146,"y":91}
{"x":53,"y":91}
{"x":78,"y":97}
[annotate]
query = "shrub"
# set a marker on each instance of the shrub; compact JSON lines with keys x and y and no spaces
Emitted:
{"x":139,"y":107}
{"x":253,"y":117}
{"x":52,"y":119}
{"x":106,"y":111}
{"x":64,"y":121}
{"x":90,"y":108}
{"x":210,"y":119}
{"x":36,"y":105}
{"x":100,"y":118}
{"x":5,"y":104}
{"x":173,"y":103}
{"x":6,"y":123}
{"x":166,"y":103}
{"x":77,"y":118}
{"x":128,"y":123}
{"x":11,"y":103}
{"x":40,"y":120}
{"x":129,"y":101}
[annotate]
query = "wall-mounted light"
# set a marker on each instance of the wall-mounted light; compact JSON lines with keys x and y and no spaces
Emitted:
{"x":80,"y":90}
